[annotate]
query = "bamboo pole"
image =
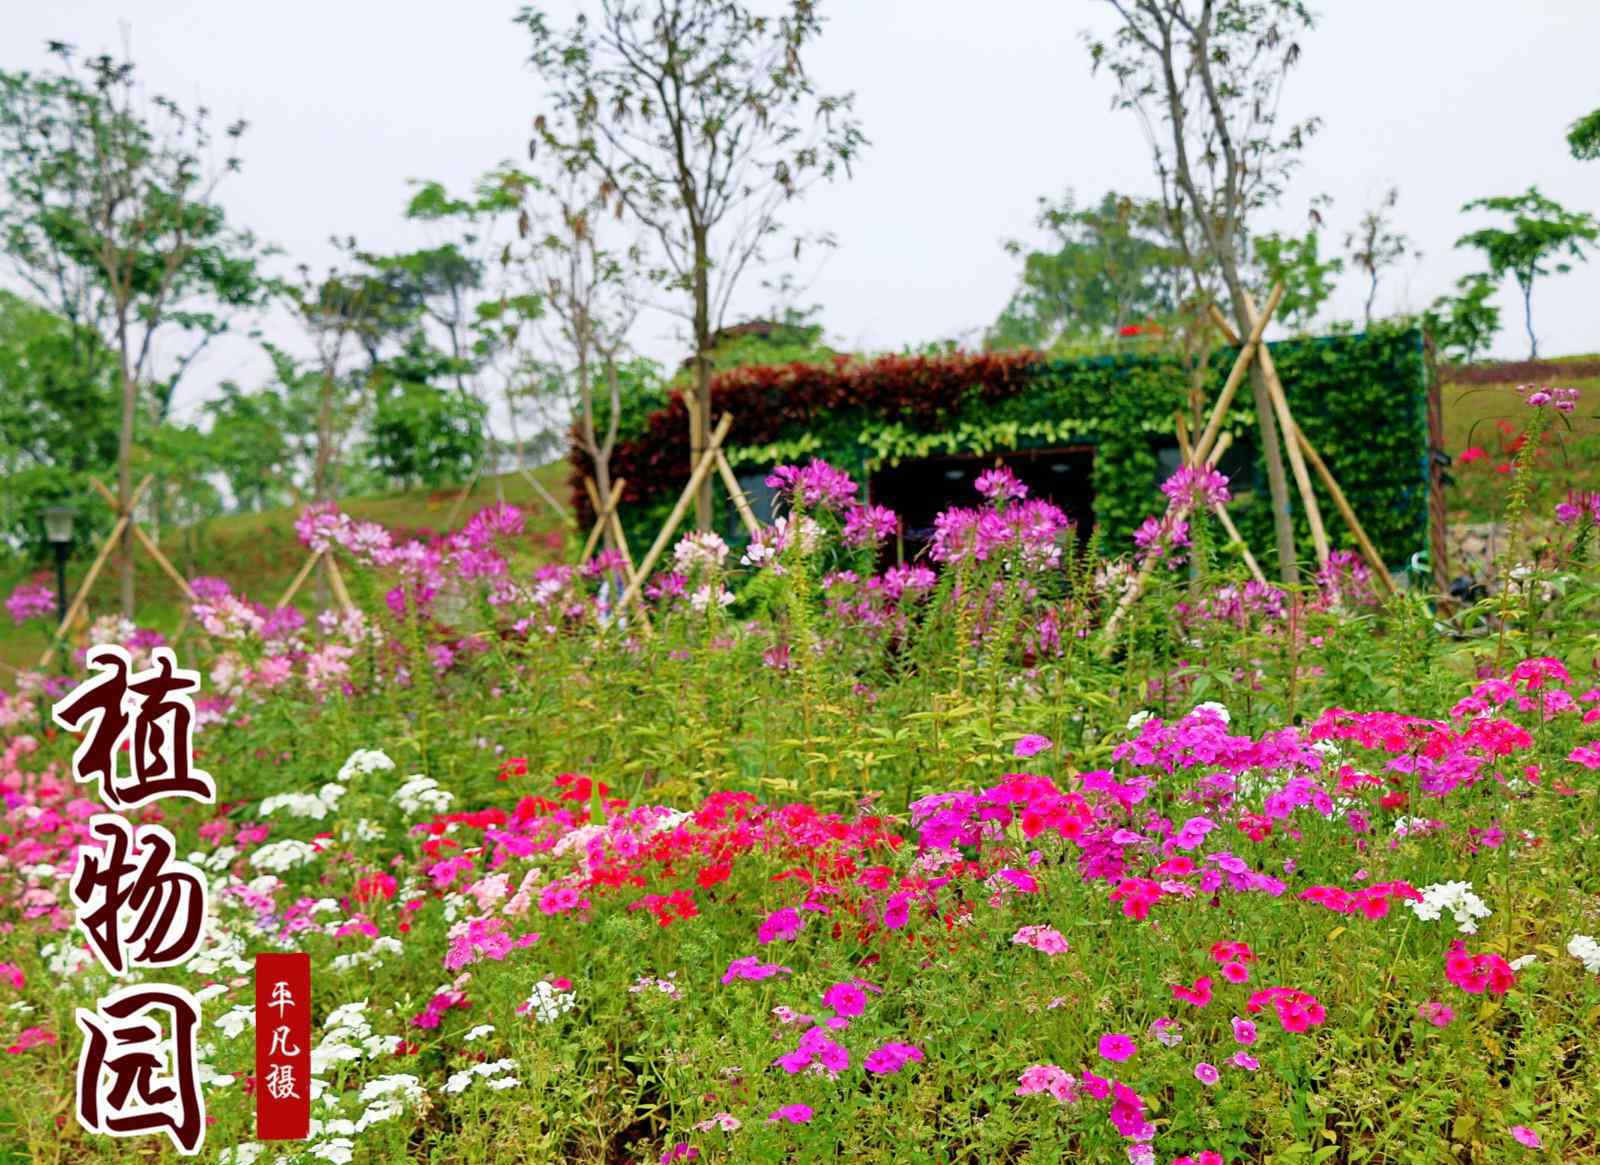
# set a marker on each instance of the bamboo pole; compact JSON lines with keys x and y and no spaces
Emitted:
{"x":1342,"y":504}
{"x":336,"y":576}
{"x":1241,"y":365}
{"x":740,"y":502}
{"x":299,"y":579}
{"x":149,"y":544}
{"x":1297,"y":461}
{"x":1185,"y":450}
{"x":82,"y":596}
{"x":708,"y":458}
{"x":610,"y":517}
{"x":602,"y":515}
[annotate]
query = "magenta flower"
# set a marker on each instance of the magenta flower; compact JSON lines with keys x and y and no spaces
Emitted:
{"x":752,"y":968}
{"x":846,"y":999}
{"x":1244,"y":1060}
{"x":795,"y":1114}
{"x":1244,"y":1031}
{"x":1523,"y":1135}
{"x":891,"y":1057}
{"x":1117,"y":1047}
{"x":1436,"y":1013}
{"x":1206,"y":1073}
{"x":1032,"y":745}
{"x":999,"y":485}
{"x":784,"y":923}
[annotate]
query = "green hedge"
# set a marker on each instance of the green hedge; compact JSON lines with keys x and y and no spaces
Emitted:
{"x":1361,"y":399}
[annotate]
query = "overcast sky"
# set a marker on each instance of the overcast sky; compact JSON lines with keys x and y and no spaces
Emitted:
{"x":973,"y":111}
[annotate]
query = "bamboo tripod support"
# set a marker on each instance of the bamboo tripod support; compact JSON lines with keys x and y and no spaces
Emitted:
{"x":124,"y":519}
{"x":730,"y":481}
{"x":1302,"y":445}
{"x":1202,"y":454}
{"x":606,"y":517}
{"x":702,"y":469}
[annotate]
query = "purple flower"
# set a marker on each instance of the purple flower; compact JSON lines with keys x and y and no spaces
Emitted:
{"x":1523,"y":1135}
{"x":1031,"y":745}
{"x":1206,"y":1073}
{"x":1117,"y":1047}
{"x":891,"y":1057}
{"x":784,"y":923}
{"x":818,"y":484}
{"x":846,"y":999}
{"x":795,"y":1114}
{"x":869,"y":525}
{"x":752,"y":968}
{"x":1000,"y":484}
{"x":30,"y":600}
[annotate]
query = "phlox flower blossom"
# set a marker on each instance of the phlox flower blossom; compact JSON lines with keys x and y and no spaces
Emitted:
{"x":1476,"y":974}
{"x":682,"y":1151}
{"x":1205,"y":1157}
{"x":1045,"y":939}
{"x":1049,"y":1078}
{"x":783,"y":924}
{"x":1436,"y":1013}
{"x":1523,"y":1135}
{"x":1586,"y":950}
{"x":846,"y":999}
{"x":1244,"y":1031}
{"x":888,"y":1059}
{"x":794,"y":1114}
{"x":1166,"y":1031}
{"x":1116,"y":1047}
{"x":1235,"y":972}
{"x":725,"y":1121}
{"x":1032,"y":745}
{"x":1206,"y":1073}
{"x":1199,"y":995}
{"x":1244,"y":1060}
{"x":751,"y":968}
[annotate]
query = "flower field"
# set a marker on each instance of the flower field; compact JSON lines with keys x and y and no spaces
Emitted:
{"x":814,"y":856}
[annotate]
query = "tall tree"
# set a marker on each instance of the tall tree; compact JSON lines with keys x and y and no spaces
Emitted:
{"x":1375,"y":245}
{"x":698,"y":119}
{"x":1105,"y":266}
{"x":1204,"y":78}
{"x":1544,"y":239}
{"x":110,"y":219}
{"x":1584,"y":137}
{"x":1464,"y":325}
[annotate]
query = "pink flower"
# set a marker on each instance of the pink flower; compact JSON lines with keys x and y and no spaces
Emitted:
{"x":752,"y":968}
{"x":1206,"y":1073}
{"x":679,"y":1152}
{"x":784,"y":923}
{"x":1523,"y":1135}
{"x":1244,"y":1031}
{"x":1236,"y":972}
{"x":1048,"y":1078}
{"x":795,"y":1114}
{"x":891,"y":1057}
{"x":1436,"y":1013}
{"x":1117,"y":1047}
{"x":1045,"y":939}
{"x":11,"y":973}
{"x":31,"y":1037}
{"x":1165,"y":1031}
{"x":1032,"y":745}
{"x":1199,"y":995}
{"x":1244,"y":1060}
{"x":846,"y":999}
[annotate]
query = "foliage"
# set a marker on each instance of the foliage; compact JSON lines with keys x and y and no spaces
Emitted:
{"x":1376,"y":244}
{"x":1544,"y":239}
{"x":421,"y":432}
{"x":1359,"y":399}
{"x":1584,"y":137}
{"x":1104,"y":267}
{"x":1308,"y":279}
{"x":1464,"y":325}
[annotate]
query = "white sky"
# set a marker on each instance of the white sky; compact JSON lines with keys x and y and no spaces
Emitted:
{"x":973,"y":111}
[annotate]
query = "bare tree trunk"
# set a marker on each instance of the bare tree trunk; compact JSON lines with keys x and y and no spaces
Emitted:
{"x":1527,"y":319}
{"x":700,"y":422}
{"x":125,"y":467}
{"x":321,"y":478}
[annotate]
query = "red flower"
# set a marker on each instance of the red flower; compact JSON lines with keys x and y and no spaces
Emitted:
{"x":1472,"y":453}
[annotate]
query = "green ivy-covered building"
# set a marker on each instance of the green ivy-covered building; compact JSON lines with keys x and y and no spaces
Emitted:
{"x":1096,"y":435}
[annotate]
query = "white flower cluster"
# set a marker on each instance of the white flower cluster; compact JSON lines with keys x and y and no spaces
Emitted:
{"x":548,"y":1002}
{"x":704,"y":596}
{"x":1586,"y":950}
{"x":1457,"y":899}
{"x":645,"y":983}
{"x":363,"y":762}
{"x":278,"y":856}
{"x":314,"y":806}
{"x":219,"y":951}
{"x":381,"y":946}
{"x":459,"y":1081}
{"x":702,"y":548}
{"x":421,"y":794}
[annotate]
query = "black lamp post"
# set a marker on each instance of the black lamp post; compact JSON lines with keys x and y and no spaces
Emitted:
{"x":58,"y":532}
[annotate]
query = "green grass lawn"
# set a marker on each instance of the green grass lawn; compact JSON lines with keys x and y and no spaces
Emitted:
{"x":259,"y":554}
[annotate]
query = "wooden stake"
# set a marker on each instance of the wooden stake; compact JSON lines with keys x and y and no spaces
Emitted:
{"x":602,"y":516}
{"x":336,"y":576}
{"x":1297,"y":461}
{"x":299,"y":579}
{"x":1185,"y":450}
{"x":740,"y":502}
{"x":1241,"y":365}
{"x":610,"y":517}
{"x":149,"y":545}
{"x":708,"y":458}
{"x":82,"y":596}
{"x":1342,"y":504}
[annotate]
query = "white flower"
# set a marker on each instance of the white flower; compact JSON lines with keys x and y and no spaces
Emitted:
{"x":504,"y":1082}
{"x":1523,"y":961}
{"x":1136,"y":721}
{"x":1213,"y":706}
{"x":702,"y":598}
{"x":236,"y":1019}
{"x":477,"y":1033}
{"x":421,"y":794}
{"x":362,"y":762}
{"x":1586,"y":950}
{"x":702,"y":548}
{"x":244,"y":1153}
{"x":548,"y":1003}
{"x":1455,"y":897}
{"x":401,"y":1084}
{"x":283,"y":855}
{"x":312,"y":806}
{"x":337,"y":1151}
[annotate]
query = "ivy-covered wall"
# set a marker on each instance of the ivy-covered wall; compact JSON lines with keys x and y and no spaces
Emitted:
{"x":1361,"y":400}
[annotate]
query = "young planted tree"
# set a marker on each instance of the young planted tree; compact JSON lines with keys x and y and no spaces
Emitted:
{"x":110,"y":219}
{"x":1375,"y":245}
{"x":1465,"y":324}
{"x":697,"y":119}
{"x":1204,"y":78}
{"x":1544,"y":239}
{"x":1105,"y":267}
{"x":1584,"y":137}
